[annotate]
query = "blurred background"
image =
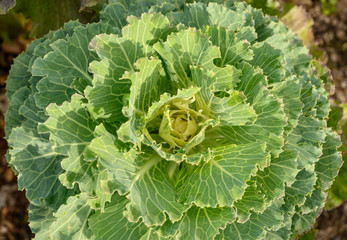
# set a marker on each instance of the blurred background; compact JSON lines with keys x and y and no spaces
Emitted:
{"x":322,"y":24}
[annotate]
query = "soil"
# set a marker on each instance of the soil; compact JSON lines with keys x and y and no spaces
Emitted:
{"x":330,"y":33}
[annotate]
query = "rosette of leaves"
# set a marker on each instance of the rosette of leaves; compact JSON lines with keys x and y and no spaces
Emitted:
{"x":171,"y":120}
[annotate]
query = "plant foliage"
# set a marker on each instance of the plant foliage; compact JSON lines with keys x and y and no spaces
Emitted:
{"x":171,"y":120}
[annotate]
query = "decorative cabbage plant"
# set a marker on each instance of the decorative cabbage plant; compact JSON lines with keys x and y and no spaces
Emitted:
{"x":171,"y":120}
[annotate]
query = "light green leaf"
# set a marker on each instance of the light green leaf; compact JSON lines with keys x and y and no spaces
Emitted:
{"x":148,"y":30}
{"x":194,"y":15}
{"x":289,"y":91}
{"x":232,"y":49}
{"x":291,"y":46}
{"x":252,"y":199}
{"x":232,"y":110}
{"x":282,"y":233}
{"x":147,"y":84}
{"x":111,"y":224}
{"x":120,"y":168}
{"x":203,"y":223}
{"x":183,"y":49}
{"x":72,"y":220}
{"x":115,"y":13}
{"x":224,"y":17}
{"x":144,"y":175}
{"x":222,"y":180}
{"x":32,"y":113}
{"x":270,"y":60}
{"x":309,"y":93}
{"x":268,"y":185}
{"x":323,"y":105}
{"x":118,"y":55}
{"x":247,"y":33}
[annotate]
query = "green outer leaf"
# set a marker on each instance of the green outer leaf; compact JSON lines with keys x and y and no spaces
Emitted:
{"x":13,"y":118}
{"x":256,"y":226}
{"x":68,"y":60}
{"x":194,"y":15}
{"x":270,"y":60}
{"x":303,"y":186}
{"x":330,"y":162}
{"x":19,"y":75}
{"x":71,"y":131}
{"x":152,"y":193}
{"x":40,"y":219}
{"x":338,"y":191}
{"x":289,"y":91}
{"x":247,"y":33}
{"x":281,"y":172}
{"x":222,"y":180}
{"x":305,"y":138}
{"x":39,"y":167}
{"x":314,"y":202}
{"x":301,"y":222}
{"x":71,"y":220}
{"x":198,"y":15}
{"x":291,"y":46}
{"x":267,"y":128}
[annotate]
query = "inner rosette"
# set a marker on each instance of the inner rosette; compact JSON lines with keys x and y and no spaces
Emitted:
{"x":179,"y":123}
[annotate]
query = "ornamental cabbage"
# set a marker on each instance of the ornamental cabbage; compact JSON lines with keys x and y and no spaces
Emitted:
{"x":171,"y":120}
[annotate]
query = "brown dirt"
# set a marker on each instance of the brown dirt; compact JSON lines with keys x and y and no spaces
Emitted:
{"x":330,"y":32}
{"x":332,"y":224}
{"x":13,"y":203}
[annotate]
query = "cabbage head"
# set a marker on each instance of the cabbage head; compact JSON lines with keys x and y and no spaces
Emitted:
{"x":171,"y":120}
